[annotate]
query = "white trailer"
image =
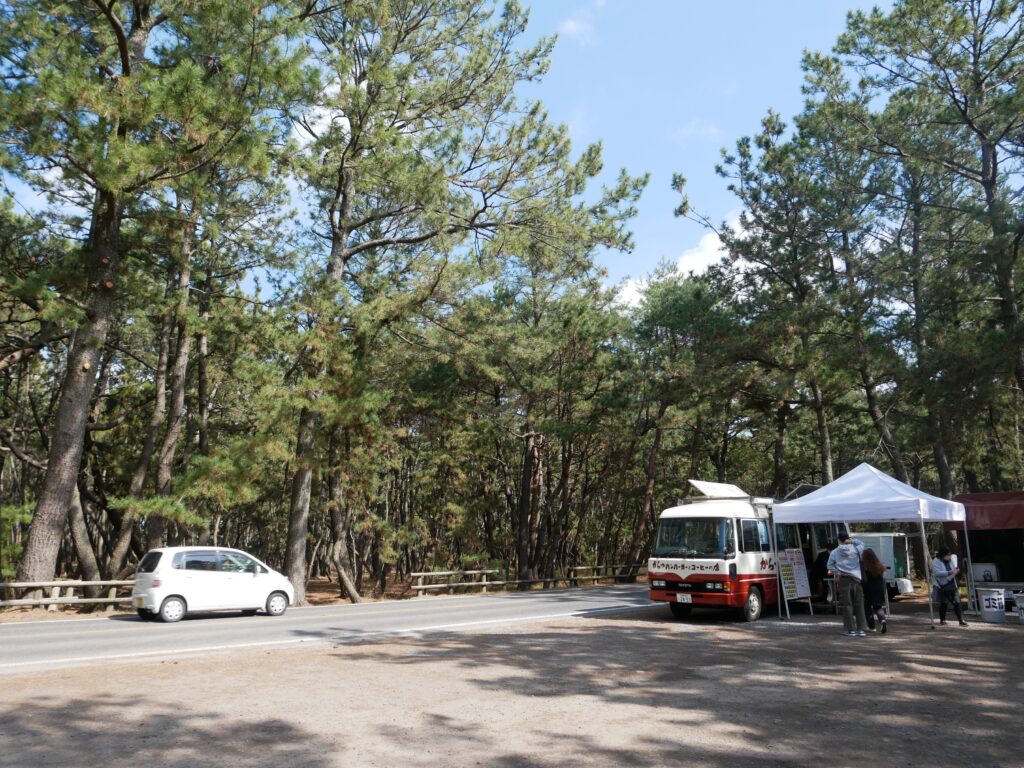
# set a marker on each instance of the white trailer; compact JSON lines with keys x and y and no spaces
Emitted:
{"x":893,"y":549}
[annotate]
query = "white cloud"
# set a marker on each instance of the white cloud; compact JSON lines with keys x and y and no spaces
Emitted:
{"x":578,"y":125}
{"x":578,"y":27}
{"x":708,"y":251}
{"x":630,"y":292}
{"x":698,"y":127}
{"x":321,"y":117}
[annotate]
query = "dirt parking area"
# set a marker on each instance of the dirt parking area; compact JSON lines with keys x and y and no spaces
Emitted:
{"x":636,"y":689}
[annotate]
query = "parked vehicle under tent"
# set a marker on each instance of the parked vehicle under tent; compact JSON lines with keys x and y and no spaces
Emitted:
{"x":868,"y":495}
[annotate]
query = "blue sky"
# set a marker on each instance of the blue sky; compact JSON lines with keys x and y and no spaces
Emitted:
{"x":665,"y":84}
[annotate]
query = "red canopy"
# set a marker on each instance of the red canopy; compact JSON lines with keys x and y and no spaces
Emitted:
{"x":987,"y":511}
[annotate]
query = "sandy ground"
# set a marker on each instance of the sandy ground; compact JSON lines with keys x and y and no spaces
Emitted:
{"x":635,"y":689}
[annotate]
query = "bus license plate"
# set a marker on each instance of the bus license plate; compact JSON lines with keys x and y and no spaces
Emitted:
{"x":684,"y":598}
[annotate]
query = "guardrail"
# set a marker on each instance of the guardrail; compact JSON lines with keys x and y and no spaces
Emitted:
{"x":454,"y":580}
{"x":70,"y":598}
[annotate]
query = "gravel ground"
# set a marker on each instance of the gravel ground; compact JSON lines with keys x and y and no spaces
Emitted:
{"x":636,"y":689}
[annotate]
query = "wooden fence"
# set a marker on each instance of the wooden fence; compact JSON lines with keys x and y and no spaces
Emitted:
{"x":484,"y":579}
{"x":452,"y":581}
{"x":68,"y":588}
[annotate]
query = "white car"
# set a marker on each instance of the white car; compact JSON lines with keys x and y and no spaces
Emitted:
{"x":173,"y":581}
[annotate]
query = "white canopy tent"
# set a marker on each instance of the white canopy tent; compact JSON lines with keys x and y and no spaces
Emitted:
{"x":868,"y":495}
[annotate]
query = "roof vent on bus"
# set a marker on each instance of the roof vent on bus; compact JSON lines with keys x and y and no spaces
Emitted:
{"x":719,"y":490}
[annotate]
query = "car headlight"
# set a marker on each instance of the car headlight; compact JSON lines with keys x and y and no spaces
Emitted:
{"x":657,"y":583}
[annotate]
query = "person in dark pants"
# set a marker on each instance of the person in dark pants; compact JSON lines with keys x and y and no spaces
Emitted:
{"x":844,"y":562}
{"x":874,"y":589}
{"x":818,"y":571}
{"x":946,"y":591}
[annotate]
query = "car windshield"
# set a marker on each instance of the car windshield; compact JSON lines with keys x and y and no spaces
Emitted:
{"x":695,"y":537}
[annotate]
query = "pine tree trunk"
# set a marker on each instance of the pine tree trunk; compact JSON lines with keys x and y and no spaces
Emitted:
{"x":560,"y":516}
{"x":340,"y":522}
{"x":298,"y":512}
{"x":921,"y":350}
{"x":536,"y":505}
{"x":899,"y":469}
{"x":824,"y":439}
{"x":179,"y":372}
{"x":524,"y":507}
{"x":67,"y":441}
{"x":647,"y":513}
{"x":203,"y":350}
{"x":780,"y":482}
{"x":83,"y":545}
{"x":946,"y":487}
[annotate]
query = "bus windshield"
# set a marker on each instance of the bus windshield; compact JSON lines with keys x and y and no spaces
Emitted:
{"x":695,"y":537}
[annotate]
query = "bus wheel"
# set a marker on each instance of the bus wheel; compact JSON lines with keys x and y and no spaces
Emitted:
{"x":680,"y":610}
{"x":752,"y":608}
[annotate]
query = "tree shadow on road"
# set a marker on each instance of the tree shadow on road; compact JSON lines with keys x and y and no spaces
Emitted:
{"x":106,"y":731}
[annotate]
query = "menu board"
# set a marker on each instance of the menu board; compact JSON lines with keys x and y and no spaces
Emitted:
{"x":793,"y":572}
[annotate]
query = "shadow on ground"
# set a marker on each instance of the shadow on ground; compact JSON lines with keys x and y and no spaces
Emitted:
{"x":713,"y":691}
{"x":104,"y":731}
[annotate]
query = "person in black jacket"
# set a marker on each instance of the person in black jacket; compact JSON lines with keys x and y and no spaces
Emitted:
{"x":874,"y":589}
{"x":818,"y":571}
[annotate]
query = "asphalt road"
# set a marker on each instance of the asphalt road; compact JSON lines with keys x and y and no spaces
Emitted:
{"x":81,"y":642}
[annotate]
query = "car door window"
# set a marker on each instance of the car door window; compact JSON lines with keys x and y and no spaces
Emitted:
{"x":236,"y":562}
{"x":202,"y":560}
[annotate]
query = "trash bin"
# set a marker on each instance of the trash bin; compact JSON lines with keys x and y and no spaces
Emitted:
{"x":993,"y":608}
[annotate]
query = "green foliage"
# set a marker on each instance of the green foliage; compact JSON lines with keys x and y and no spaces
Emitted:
{"x":12,"y":518}
{"x":167,"y":507}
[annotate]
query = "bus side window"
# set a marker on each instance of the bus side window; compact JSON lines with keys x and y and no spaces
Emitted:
{"x":762,"y":535}
{"x":755,"y":536}
{"x":749,"y":535}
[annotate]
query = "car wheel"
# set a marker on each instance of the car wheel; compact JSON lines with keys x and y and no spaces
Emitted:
{"x":249,"y":612}
{"x":145,"y":614}
{"x":752,"y":608}
{"x":277,"y":603}
{"x":680,"y":610}
{"x":172,"y":609}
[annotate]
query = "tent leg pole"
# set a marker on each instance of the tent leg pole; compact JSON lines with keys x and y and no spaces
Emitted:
{"x":778,"y":571}
{"x":972,"y":588}
{"x":927,"y":575}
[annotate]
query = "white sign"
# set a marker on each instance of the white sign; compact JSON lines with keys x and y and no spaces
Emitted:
{"x":795,"y":583}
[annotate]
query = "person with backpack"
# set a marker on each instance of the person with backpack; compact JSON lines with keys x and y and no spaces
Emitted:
{"x":844,"y":562}
{"x":947,"y":591}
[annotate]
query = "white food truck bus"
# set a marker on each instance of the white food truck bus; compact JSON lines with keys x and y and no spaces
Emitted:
{"x":715,"y":550}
